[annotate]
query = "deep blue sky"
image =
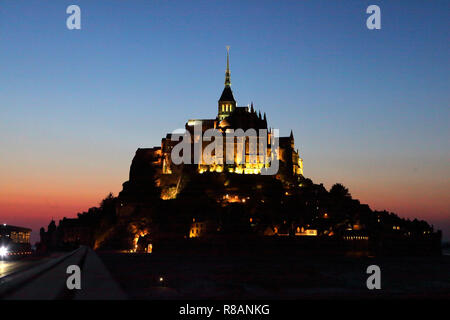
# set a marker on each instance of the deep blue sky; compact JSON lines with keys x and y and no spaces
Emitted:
{"x":369,"y":109}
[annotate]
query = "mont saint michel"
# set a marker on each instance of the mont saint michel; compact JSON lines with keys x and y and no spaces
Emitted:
{"x":213,"y":206}
{"x":221,"y":151}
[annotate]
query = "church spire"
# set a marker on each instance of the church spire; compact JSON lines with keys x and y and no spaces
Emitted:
{"x":227,"y":104}
{"x":227,"y":72}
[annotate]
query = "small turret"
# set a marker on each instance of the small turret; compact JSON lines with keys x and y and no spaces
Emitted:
{"x":291,"y":136}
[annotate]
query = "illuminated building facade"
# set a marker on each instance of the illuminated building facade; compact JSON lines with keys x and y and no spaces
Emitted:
{"x":14,"y":240}
{"x":15,"y":234}
{"x":243,"y":159}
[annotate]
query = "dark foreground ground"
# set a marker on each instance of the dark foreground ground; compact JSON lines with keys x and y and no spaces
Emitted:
{"x":149,"y":276}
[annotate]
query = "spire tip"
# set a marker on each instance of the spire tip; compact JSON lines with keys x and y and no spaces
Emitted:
{"x":227,"y":72}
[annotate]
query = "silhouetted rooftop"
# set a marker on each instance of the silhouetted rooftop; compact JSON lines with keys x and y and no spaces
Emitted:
{"x":9,"y":228}
{"x":227,"y":95}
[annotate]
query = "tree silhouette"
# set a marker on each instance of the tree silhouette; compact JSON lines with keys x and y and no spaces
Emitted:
{"x":338,"y":190}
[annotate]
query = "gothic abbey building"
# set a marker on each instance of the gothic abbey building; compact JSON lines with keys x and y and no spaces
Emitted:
{"x":243,"y":160}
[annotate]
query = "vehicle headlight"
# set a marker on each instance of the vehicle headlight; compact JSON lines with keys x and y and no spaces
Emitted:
{"x":3,"y":251}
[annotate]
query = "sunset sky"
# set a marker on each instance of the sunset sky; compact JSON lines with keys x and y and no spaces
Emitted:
{"x":368,"y":108}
